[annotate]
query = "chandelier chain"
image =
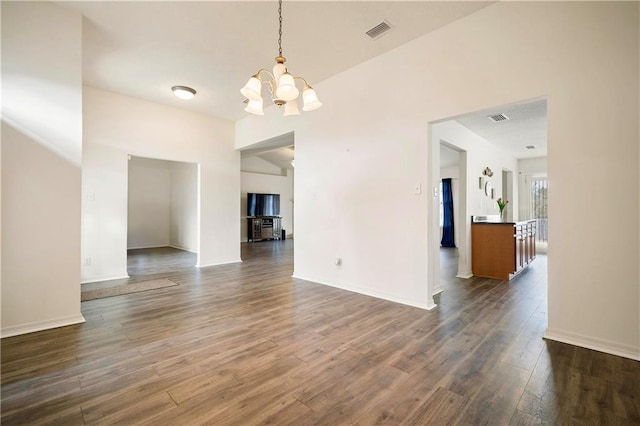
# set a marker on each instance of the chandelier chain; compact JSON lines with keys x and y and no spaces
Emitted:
{"x":280,"y":28}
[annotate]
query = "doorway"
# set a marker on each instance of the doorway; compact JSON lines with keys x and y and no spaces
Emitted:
{"x":267,"y":168}
{"x":453,"y":160}
{"x":502,"y":146}
{"x":162,"y":216}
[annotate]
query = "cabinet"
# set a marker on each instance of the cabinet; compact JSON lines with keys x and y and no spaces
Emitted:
{"x":502,"y":249}
{"x":525,"y":244}
{"x":264,"y":228}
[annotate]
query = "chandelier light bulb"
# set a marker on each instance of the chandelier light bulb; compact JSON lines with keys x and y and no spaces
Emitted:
{"x":252,"y":89}
{"x":287,"y":89}
{"x":255,"y":107}
{"x":291,"y":108}
{"x":310,"y":99}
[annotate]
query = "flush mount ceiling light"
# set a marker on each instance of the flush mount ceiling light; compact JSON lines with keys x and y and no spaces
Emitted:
{"x":183,"y":92}
{"x":281,"y":85}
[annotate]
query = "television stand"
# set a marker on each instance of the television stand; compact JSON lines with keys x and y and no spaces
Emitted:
{"x":264,"y":228}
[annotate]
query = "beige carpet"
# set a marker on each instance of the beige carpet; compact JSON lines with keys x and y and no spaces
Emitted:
{"x":126,"y":289}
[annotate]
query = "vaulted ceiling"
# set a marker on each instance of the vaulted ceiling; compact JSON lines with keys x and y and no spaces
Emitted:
{"x":143,"y":48}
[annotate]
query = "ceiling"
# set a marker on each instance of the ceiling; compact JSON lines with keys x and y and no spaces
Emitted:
{"x":279,"y":151}
{"x":143,"y":48}
{"x":526,"y":126}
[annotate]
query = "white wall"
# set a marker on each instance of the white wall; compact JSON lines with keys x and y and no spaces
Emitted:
{"x":125,"y":125}
{"x":361,"y":206}
{"x":449,"y":172}
{"x":183,"y":227}
{"x":41,"y":156}
{"x":149,"y":203}
{"x":480,"y":154}
{"x":268,"y":184}
{"x":103,"y":168}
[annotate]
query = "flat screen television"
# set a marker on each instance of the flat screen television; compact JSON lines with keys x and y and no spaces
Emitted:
{"x":263,"y":204}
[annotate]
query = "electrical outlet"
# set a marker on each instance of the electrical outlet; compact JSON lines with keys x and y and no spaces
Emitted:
{"x":87,"y":261}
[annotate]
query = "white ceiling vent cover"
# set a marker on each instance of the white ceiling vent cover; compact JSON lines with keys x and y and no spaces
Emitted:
{"x":498,"y":117}
{"x":379,"y":30}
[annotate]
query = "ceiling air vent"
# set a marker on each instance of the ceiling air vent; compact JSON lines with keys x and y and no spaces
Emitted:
{"x":498,"y":117}
{"x":530,"y":147}
{"x":379,"y":30}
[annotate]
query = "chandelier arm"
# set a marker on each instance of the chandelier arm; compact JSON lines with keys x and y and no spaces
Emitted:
{"x":305,"y":81}
{"x":261,"y":70}
{"x":271,"y":88}
{"x":271,"y":82}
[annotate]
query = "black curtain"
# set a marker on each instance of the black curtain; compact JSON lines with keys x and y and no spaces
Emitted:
{"x":447,"y":219}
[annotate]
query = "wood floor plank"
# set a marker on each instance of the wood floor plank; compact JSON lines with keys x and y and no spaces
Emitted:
{"x":351,"y":396}
{"x":127,"y":409}
{"x":51,"y":412}
{"x":38,"y":395}
{"x":440,"y":408}
{"x":246,"y":344}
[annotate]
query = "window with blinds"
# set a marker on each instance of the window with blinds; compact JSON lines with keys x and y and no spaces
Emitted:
{"x":538,"y":195}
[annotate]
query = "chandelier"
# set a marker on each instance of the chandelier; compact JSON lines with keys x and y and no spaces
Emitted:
{"x":281,"y":85}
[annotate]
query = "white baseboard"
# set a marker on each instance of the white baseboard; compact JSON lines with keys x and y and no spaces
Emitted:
{"x":373,"y":293}
{"x":16,"y":330}
{"x":464,"y":275}
{"x":183,"y":249}
{"x":224,"y":262}
{"x":599,"y":345}
{"x":103,"y":278}
{"x":147,"y":247}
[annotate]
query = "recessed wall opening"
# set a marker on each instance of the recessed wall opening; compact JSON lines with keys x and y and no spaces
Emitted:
{"x":162,"y":212}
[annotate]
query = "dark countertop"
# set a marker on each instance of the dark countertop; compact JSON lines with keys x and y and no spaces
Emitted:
{"x":495,"y":220}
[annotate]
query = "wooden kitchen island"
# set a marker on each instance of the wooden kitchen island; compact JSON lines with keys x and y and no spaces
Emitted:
{"x":501,"y":249}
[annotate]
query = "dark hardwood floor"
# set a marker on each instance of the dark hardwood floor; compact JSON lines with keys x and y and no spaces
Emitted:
{"x":159,"y":260}
{"x":149,"y":264}
{"x":247,"y":344}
